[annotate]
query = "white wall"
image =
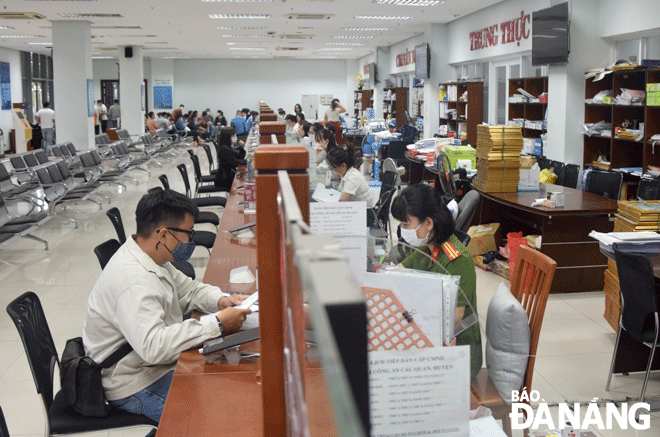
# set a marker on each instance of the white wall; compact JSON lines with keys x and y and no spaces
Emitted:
{"x":162,"y":69}
{"x":104,"y":69}
{"x":15,"y":73}
{"x":241,"y":83}
{"x":400,"y":48}
{"x":632,"y":16}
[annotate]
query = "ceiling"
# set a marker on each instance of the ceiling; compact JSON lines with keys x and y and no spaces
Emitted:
{"x":184,"y":28}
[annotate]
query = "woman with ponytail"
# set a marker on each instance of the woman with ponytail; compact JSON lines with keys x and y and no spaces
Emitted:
{"x":332,"y":116}
{"x":353,"y":186}
{"x":427,"y":224}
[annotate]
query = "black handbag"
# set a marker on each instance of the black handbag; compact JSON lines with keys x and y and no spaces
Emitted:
{"x":81,"y":378}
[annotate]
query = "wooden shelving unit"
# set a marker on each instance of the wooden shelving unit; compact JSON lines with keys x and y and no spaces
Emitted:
{"x":397,"y":107}
{"x":362,"y":100}
{"x":529,"y":111}
{"x":621,"y":152}
{"x":469,"y":110}
{"x":417,"y":101}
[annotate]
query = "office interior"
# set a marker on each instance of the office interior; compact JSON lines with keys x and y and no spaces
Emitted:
{"x":202,"y":59}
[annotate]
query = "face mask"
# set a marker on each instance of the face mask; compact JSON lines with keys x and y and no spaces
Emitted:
{"x":234,"y":139}
{"x":410,"y":236}
{"x":337,"y":175}
{"x":182,"y":251}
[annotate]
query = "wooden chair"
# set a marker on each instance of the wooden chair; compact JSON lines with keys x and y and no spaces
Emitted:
{"x":531,"y":284}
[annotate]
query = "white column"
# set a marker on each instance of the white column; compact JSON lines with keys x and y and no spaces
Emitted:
{"x":72,"y":67}
{"x":436,"y":35}
{"x":131,"y":79}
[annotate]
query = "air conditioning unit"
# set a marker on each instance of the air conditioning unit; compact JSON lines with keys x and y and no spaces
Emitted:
{"x":309,"y":16}
{"x":289,"y":49}
{"x":296,"y":36}
{"x":21,"y":16}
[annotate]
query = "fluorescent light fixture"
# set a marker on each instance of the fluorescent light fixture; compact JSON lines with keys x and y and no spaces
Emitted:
{"x":240,"y":16}
{"x":88,"y":15}
{"x":21,"y":36}
{"x":237,"y":1}
{"x":116,"y":27}
{"x":40,"y":43}
{"x":131,"y":36}
{"x":334,"y":49}
{"x":353,"y":37}
{"x":242,"y":27}
{"x":247,"y":48}
{"x":343,"y":43}
{"x":366,"y":29}
{"x":7,"y":28}
{"x":104,"y":57}
{"x":409,"y":2}
{"x":381,"y":17}
{"x":175,"y":57}
{"x":243,"y":36}
{"x":324,"y":57}
{"x":247,"y":43}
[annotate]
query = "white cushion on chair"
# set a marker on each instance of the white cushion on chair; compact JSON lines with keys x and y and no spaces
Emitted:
{"x":508,"y":342}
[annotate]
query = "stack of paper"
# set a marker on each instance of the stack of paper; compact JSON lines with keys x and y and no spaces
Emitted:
{"x":641,"y":242}
{"x":498,"y":158}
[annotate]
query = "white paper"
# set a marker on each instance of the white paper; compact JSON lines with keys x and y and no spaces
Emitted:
{"x":241,"y":275}
{"x":420,"y":392}
{"x":486,"y":427}
{"x":249,"y":301}
{"x":323,"y":194}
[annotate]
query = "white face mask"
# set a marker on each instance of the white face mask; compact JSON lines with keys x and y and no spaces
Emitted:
{"x":234,"y":139}
{"x":410,"y":236}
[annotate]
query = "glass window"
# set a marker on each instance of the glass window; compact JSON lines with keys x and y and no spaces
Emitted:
{"x":626,"y":49}
{"x":653,"y":48}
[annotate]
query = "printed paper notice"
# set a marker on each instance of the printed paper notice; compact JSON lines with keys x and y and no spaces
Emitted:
{"x":420,"y":392}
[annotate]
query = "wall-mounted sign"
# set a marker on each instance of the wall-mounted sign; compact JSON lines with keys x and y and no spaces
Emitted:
{"x":5,"y":87}
{"x":405,"y":58}
{"x":162,"y":94}
{"x":506,"y":32}
{"x":90,"y":97}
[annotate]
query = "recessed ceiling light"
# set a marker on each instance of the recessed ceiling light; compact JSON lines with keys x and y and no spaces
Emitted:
{"x":324,"y":57}
{"x":247,"y":43}
{"x":21,"y":36}
{"x":88,"y":15}
{"x":334,"y":49}
{"x":244,"y":16}
{"x":243,"y":36}
{"x":104,"y":57}
{"x":247,"y":48}
{"x":7,"y":28}
{"x":366,"y":29}
{"x":237,"y":1}
{"x":344,"y":43}
{"x":353,"y":37}
{"x":40,"y":43}
{"x":409,"y":2}
{"x":116,"y":27}
{"x":381,"y":17}
{"x":242,"y":27}
{"x":175,"y":57}
{"x":131,"y":36}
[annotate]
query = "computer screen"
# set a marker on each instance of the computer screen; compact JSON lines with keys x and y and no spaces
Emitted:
{"x":551,"y":35}
{"x":422,"y":61}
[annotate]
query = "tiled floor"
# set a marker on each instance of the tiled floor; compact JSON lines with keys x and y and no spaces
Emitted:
{"x":572,"y":364}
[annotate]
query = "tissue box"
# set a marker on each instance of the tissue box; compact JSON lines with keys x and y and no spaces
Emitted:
{"x":529,"y":179}
{"x":557,"y":197}
{"x":484,"y":238}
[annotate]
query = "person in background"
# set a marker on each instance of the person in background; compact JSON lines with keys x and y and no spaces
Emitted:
{"x":295,"y":132}
{"x":46,"y":119}
{"x":427,"y":224}
{"x":195,"y":130}
{"x":231,"y":154}
{"x":140,"y":299}
{"x":103,"y":114}
{"x":179,"y":123}
{"x":162,"y":122}
{"x":290,"y":121}
{"x":246,"y":113}
{"x":208,"y":118}
{"x":332,"y":115}
{"x":353,"y":186}
{"x":325,"y":142}
{"x":97,"y":126}
{"x":220,"y":119}
{"x":238,"y":123}
{"x":316,"y":127}
{"x":281,"y":113}
{"x":151,"y":123}
{"x":303,"y":131}
{"x":252,"y":119}
{"x":114,"y":114}
{"x":298,"y":109}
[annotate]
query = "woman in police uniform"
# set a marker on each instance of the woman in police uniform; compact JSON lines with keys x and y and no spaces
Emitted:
{"x":428,"y":225}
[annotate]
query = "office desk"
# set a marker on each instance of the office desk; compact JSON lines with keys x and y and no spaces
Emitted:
{"x":418,"y":168}
{"x":564,"y":231}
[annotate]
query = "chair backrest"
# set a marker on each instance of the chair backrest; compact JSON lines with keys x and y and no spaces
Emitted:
{"x":197,"y":168}
{"x":531,"y":283}
{"x":397,"y":150}
{"x":28,"y":316}
{"x":64,"y":169}
{"x":87,"y":160}
{"x":41,"y":156}
{"x":605,"y":183}
{"x":147,"y":139}
{"x":54,"y":173}
{"x":463,"y":237}
{"x":639,"y":299}
{"x":105,"y":250}
{"x":544,"y":163}
{"x":115,"y":217}
{"x":558,"y":169}
{"x":72,"y":148}
{"x":209,"y":155}
{"x":165,"y":181}
{"x":44,"y":176}
{"x":57,"y":151}
{"x":408,"y":133}
{"x":4,"y":213}
{"x":570,"y":176}
{"x":648,"y":189}
{"x":31,"y":160}
{"x":4,"y":432}
{"x":18,"y":163}
{"x":64,"y":150}
{"x":4,"y":174}
{"x":466,"y":209}
{"x":184,"y":176}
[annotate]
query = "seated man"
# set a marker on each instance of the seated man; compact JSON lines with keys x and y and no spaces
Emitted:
{"x":140,"y":298}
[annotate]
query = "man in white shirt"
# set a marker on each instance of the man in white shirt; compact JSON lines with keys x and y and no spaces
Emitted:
{"x":46,"y":119}
{"x":140,"y":298}
{"x":103,"y":114}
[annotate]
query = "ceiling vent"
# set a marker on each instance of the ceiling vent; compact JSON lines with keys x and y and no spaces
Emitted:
{"x":309,"y":16}
{"x":88,"y":15}
{"x":289,"y":49}
{"x":296,"y":36}
{"x":21,"y":16}
{"x":108,"y":48}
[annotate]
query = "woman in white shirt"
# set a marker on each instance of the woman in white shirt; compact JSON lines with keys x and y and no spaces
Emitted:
{"x":353,"y":186}
{"x":332,"y":116}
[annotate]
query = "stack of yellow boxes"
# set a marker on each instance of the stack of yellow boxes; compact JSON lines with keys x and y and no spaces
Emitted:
{"x":498,"y":158}
{"x":631,"y":216}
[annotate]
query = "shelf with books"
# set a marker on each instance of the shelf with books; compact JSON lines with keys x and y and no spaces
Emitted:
{"x":522,"y":111}
{"x":468,"y":107}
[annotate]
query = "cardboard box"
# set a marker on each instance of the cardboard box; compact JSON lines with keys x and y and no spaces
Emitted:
{"x":484,"y":238}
